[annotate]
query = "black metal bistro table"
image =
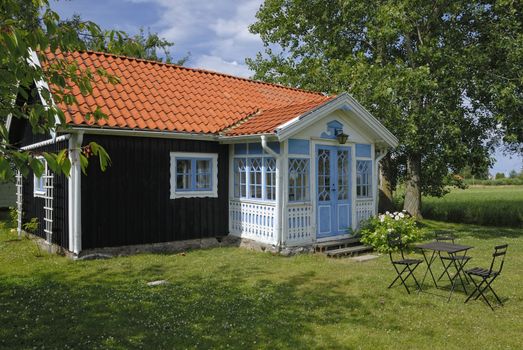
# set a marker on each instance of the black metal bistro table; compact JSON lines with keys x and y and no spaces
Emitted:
{"x":453,"y":250}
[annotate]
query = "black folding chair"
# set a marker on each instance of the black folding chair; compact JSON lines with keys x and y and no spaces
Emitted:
{"x":409,"y":265}
{"x":488,"y":276}
{"x":458,"y":261}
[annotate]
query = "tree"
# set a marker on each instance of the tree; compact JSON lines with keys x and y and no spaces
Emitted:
{"x":416,"y":65}
{"x":500,"y":176}
{"x":27,"y":28}
{"x":141,"y":45}
{"x":513,"y":174}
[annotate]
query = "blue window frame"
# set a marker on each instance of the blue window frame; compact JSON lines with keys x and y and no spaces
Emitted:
{"x":299,"y":179}
{"x":193,"y":174}
{"x":364,"y":178}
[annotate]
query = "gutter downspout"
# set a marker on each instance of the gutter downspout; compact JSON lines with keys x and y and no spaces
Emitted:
{"x":279,"y":191}
{"x":376,"y":176}
{"x":75,"y":194}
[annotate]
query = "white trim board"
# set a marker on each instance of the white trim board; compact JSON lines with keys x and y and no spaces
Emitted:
{"x":345,"y":102}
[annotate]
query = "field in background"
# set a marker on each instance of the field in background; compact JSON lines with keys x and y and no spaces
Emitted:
{"x":482,"y":205}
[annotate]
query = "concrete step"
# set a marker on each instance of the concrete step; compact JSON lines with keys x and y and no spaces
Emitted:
{"x":353,"y":250}
{"x":337,"y":244}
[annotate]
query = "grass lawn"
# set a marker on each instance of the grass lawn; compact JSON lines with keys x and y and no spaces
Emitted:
{"x":482,"y":205}
{"x":233,"y":298}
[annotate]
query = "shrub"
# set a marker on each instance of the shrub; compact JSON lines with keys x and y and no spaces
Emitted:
{"x":374,"y":230}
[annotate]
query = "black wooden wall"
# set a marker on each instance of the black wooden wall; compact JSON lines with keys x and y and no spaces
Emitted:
{"x":129,"y":203}
{"x":33,"y":207}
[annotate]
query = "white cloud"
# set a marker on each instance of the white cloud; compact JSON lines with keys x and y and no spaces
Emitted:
{"x":218,"y":64}
{"x":214,"y":31}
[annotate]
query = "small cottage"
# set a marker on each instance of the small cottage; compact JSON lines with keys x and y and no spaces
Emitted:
{"x":198,"y":154}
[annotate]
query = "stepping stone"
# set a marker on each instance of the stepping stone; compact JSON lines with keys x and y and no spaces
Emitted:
{"x":157,"y":283}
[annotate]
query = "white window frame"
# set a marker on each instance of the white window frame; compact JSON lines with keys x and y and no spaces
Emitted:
{"x":212,"y":193}
{"x":37,"y":191}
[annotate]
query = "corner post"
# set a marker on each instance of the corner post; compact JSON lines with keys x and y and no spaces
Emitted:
{"x":75,"y":194}
{"x":278,"y":209}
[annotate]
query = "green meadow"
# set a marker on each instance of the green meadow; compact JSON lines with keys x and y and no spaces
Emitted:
{"x":232,"y":298}
{"x":481,"y":205}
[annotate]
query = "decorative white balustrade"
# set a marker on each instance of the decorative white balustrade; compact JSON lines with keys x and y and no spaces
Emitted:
{"x":364,"y":210}
{"x":299,"y":224}
{"x":253,"y":220}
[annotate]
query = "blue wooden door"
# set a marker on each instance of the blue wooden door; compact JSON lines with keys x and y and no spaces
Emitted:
{"x":332,"y":190}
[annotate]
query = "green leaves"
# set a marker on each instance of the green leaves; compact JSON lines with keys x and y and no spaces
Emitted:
{"x":102,"y":154}
{"x":443,"y":77}
{"x":26,"y":25}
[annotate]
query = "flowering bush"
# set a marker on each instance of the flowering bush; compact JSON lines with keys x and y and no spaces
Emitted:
{"x":374,"y":230}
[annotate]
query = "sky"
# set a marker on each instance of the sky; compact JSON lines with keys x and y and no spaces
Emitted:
{"x":214,"y":32}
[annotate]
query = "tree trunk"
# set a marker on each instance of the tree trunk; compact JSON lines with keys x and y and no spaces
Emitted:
{"x":385,"y":201}
{"x":413,"y":186}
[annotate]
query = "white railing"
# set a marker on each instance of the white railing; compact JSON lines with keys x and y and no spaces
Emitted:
{"x":299,"y":224}
{"x":253,"y":220}
{"x":364,"y":210}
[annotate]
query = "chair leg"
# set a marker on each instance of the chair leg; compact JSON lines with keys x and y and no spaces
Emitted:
{"x":476,"y":288}
{"x":400,"y":276}
{"x":411,"y":273}
{"x":488,"y":286}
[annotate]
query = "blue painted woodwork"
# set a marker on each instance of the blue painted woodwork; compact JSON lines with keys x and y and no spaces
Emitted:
{"x":297,"y":146}
{"x":333,"y":127}
{"x":254,"y":148}
{"x":275,"y":146}
{"x":240,"y":148}
{"x":333,"y":190}
{"x":193,"y":173}
{"x":363,"y":150}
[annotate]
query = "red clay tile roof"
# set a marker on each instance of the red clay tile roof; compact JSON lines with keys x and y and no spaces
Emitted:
{"x":166,"y":97}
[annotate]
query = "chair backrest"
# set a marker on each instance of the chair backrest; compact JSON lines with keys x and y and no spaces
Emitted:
{"x":498,"y":258}
{"x":394,"y":241}
{"x":444,"y":236}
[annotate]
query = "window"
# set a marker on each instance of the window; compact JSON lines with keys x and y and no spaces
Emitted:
{"x":255,"y":178}
{"x":194,"y":175}
{"x":270,"y":178}
{"x":298,"y":179}
{"x":39,"y":182}
{"x":363,"y":178}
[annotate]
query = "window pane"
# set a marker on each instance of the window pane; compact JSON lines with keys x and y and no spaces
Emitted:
{"x":299,"y":179}
{"x":363,"y":178}
{"x":183,"y":181}
{"x":255,"y":176}
{"x":183,"y":166}
{"x":203,"y":166}
{"x":203,"y":181}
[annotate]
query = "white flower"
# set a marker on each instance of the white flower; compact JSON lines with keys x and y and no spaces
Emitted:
{"x":389,"y":230}
{"x":396,"y":218}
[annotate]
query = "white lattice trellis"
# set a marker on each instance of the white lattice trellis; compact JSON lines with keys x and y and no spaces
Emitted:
{"x":253,"y":220}
{"x":299,"y":226}
{"x":19,"y":201}
{"x":364,"y":210}
{"x":48,"y":205}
